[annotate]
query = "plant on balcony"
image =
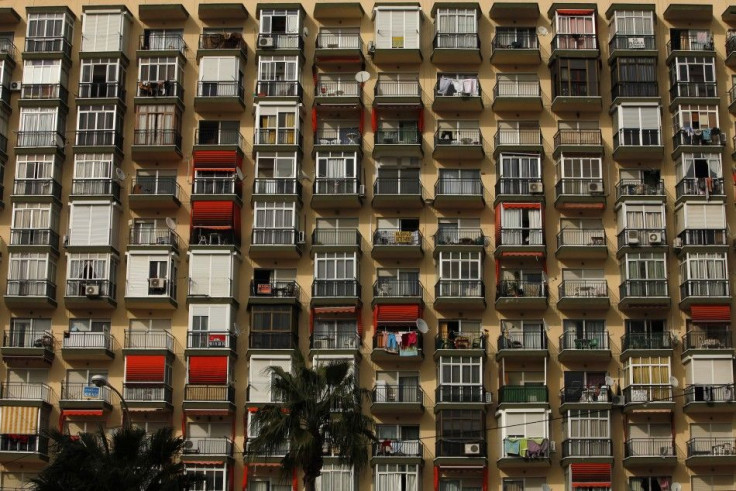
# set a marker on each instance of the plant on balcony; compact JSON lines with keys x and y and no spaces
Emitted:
{"x":321,"y":409}
{"x":129,"y":459}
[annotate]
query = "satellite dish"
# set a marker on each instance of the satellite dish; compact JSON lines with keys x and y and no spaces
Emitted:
{"x":542,"y":31}
{"x":120,"y":174}
{"x":422,"y":326}
{"x":673,"y":382}
{"x":362,"y":76}
{"x":170,"y":223}
{"x":676,"y":486}
{"x":239,"y":173}
{"x":609,"y":380}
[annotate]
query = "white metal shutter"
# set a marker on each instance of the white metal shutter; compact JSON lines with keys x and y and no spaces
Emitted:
{"x":89,"y":31}
{"x":80,"y":224}
{"x":722,"y":371}
{"x":715,"y":216}
{"x":411,"y":29}
{"x":680,"y":219}
{"x":630,"y":117}
{"x":100,"y":223}
{"x":650,"y":118}
{"x":137,"y":276}
{"x":219,"y":318}
{"x":712,"y":483}
{"x":208,"y":69}
{"x":199,"y":274}
{"x":535,"y":425}
{"x":219,"y":276}
{"x":383,"y":29}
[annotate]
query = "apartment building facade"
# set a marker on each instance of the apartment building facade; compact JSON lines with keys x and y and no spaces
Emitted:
{"x":200,"y":189}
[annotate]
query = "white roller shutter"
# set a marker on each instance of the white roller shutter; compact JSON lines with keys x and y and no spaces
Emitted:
{"x":411,"y":29}
{"x":101,"y":225}
{"x":649,"y":118}
{"x":80,"y":224}
{"x":630,"y":117}
{"x":102,"y":32}
{"x":199,"y":274}
{"x":219,"y":318}
{"x":137,"y":275}
{"x":220,"y":279}
{"x":713,"y":483}
{"x":705,"y":216}
{"x":383,"y":29}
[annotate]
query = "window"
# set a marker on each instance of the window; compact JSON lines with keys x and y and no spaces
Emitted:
{"x":578,"y":23}
{"x":275,"y":215}
{"x":335,"y":333}
{"x":99,"y":125}
{"x":26,"y":332}
{"x":573,"y":77}
{"x":279,"y":21}
{"x":95,"y":167}
{"x":647,"y":370}
{"x":460,"y":266}
{"x":523,"y":425}
{"x":29,"y":274}
{"x":338,"y":265}
{"x":461,"y":370}
{"x":276,"y":125}
{"x":81,"y":267}
{"x":220,"y":76}
{"x":404,"y":132}
{"x":518,"y":133}
{"x":261,"y":377}
{"x":49,"y":26}
{"x":582,"y":425}
{"x":104,"y":31}
{"x":523,"y":484}
{"x":93,"y":224}
{"x":465,"y":132}
{"x":695,"y":69}
{"x":641,"y":217}
{"x":272,"y":318}
{"x":157,"y":125}
{"x":397,"y":27}
{"x":579,"y":333}
{"x":699,"y":174}
{"x":461,"y":424}
{"x":521,"y":226}
{"x":163,"y":39}
{"x":634,"y":76}
{"x":210,"y":326}
{"x":632,"y":23}
{"x":584,"y":283}
{"x":397,"y":477}
{"x":335,"y":477}
{"x":456,"y":21}
{"x":278,"y":68}
{"x":159,"y":69}
{"x":691,"y":122}
{"x":215,"y":476}
{"x":703,"y":266}
{"x":580,"y":175}
{"x":211,"y":275}
{"x":459,"y":181}
{"x":637,"y":125}
{"x":650,"y":483}
{"x":645,"y":266}
{"x":516,"y":38}
{"x":101,"y":77}
{"x":48,"y":73}
{"x":40,"y":125}
{"x":39,"y":216}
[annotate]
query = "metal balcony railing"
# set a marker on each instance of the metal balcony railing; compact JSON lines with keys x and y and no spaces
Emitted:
{"x":339,"y":87}
{"x":628,"y":88}
{"x":730,"y":45}
{"x":644,"y":288}
{"x":458,"y":137}
{"x":575,"y":41}
{"x":588,"y":340}
{"x":229,"y":40}
{"x":513,"y":136}
{"x":101,"y":90}
{"x":209,"y":446}
{"x":704,"y":237}
{"x":216,"y":237}
{"x":28,"y":139}
{"x":655,"y":340}
{"x":84,"y":392}
{"x":154,"y":236}
{"x":21,"y":391}
{"x":274,"y":236}
{"x":287,"y":185}
{"x":708,"y":338}
{"x":579,"y":187}
{"x":155,"y":138}
{"x":31,"y":288}
{"x":523,"y":236}
{"x":709,"y":393}
{"x":155,"y":186}
{"x":516,"y":185}
{"x":34,"y":237}
{"x":447,"y":186}
{"x":287,"y":288}
{"x":349,"y":237}
{"x":581,"y":237}
{"x":24,"y":444}
{"x":397,"y":237}
{"x":583,"y":289}
{"x":339,"y":40}
{"x":147,"y":392}
{"x":160,"y":88}
{"x":711,"y":446}
{"x":7,"y":48}
{"x":96,"y":187}
{"x":162,"y":42}
{"x":398,"y":448}
{"x":712,"y":137}
{"x":272,"y":340}
{"x":220,"y":89}
{"x":209,"y":393}
{"x":460,"y":393}
{"x":28,"y":338}
{"x":715,"y":287}
{"x":525,"y":340}
{"x":459,"y":289}
{"x":640,"y":393}
{"x":578,"y":137}
{"x":392,"y":287}
{"x":690,"y":41}
{"x":402,"y":393}
{"x":349,"y":135}
{"x":587,"y":447}
{"x":224,"y":186}
{"x":632,"y":42}
{"x":589,"y":394}
{"x":211,"y":339}
{"x":150,"y":339}
{"x":522,"y":394}
{"x":515,"y":39}
{"x":81,"y":288}
{"x":641,"y":237}
{"x":49,"y":44}
{"x":397,"y":88}
{"x":461,"y":341}
{"x":278,"y":88}
{"x":44,"y":91}
{"x":336,"y":185}
{"x":334,"y":339}
{"x":397,"y":186}
{"x":408,"y":136}
{"x":218,"y":137}
{"x":700,"y":186}
{"x":280,"y":40}
{"x":457,"y":447}
{"x":37,"y":187}
{"x":447,"y":40}
{"x":517,"y":88}
{"x":99,"y":138}
{"x":693,"y":89}
{"x":280,"y":136}
{"x":521,"y":289}
{"x":335,"y":288}
{"x":88,"y":340}
{"x":650,"y":447}
{"x":636,"y":187}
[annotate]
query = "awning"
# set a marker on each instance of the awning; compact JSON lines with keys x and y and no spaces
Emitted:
{"x":82,"y":413}
{"x":711,"y":313}
{"x":215,"y":169}
{"x":575,"y":11}
{"x":334,"y":310}
{"x":205,"y":158}
{"x":591,"y":475}
{"x":522,"y":206}
{"x":19,"y":420}
{"x":208,"y":370}
{"x":210,"y":214}
{"x":396,"y":313}
{"x":145,"y":368}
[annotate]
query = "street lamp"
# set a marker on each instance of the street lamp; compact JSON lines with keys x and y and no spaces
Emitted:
{"x":101,"y":381}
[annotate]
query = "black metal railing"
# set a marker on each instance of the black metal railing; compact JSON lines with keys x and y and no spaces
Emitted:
{"x":25,"y":391}
{"x":156,"y":138}
{"x":397,"y":88}
{"x":339,"y":338}
{"x":585,"y":394}
{"x":7,"y":48}
{"x":698,"y":137}
{"x":342,"y":136}
{"x":457,"y":447}
{"x":223,"y":186}
{"x":161,"y":236}
{"x":336,"y":185}
{"x":348,"y":237}
{"x":469,"y":186}
{"x":225,"y":40}
{"x":636,"y":187}
{"x":458,"y":137}
{"x":34,"y":237}
{"x":272,"y":340}
{"x":269,"y":186}
{"x":101,"y":90}
{"x":587,"y":447}
{"x":461,"y":341}
{"x":518,"y":185}
{"x":447,"y":40}
{"x":524,"y":340}
{"x":209,"y":393}
{"x":517,"y":88}
{"x":644,"y":288}
{"x":44,"y":91}
{"x":515,"y":39}
{"x":513,"y":136}
{"x":581,"y":237}
{"x":147,"y":392}
{"x":460,"y":393}
{"x":340,"y":87}
{"x":96,"y":187}
{"x":99,"y":138}
{"x":278,"y":88}
{"x":645,"y":341}
{"x":522,"y":236}
{"x":397,"y":237}
{"x":522,"y":394}
{"x":37,"y":187}
{"x":632,"y":42}
{"x":578,"y":137}
{"x":335,"y":288}
{"x":715,"y":287}
{"x":148,"y":339}
{"x":284,"y":288}
{"x":28,"y":338}
{"x":392,"y":287}
{"x":579,"y":187}
{"x":711,"y":446}
{"x":49,"y":44}
{"x":641,"y":394}
{"x":31,"y":288}
{"x":282,"y":448}
{"x":40,"y":139}
{"x":700,"y":186}
{"x":81,"y":391}
{"x":339,"y":40}
{"x":274,"y":236}
{"x":690,"y":41}
{"x":521,"y":289}
{"x":214,"y":237}
{"x":218,"y":137}
{"x":162,"y":42}
{"x":91,"y":288}
{"x":160,"y":88}
{"x":641,"y":237}
{"x":397,"y":186}
{"x":709,"y":393}
{"x":583,"y":289}
{"x":407,"y":136}
{"x":650,"y":447}
{"x":398,"y":448}
{"x":24,"y":444}
{"x":693,"y":89}
{"x":220,"y":89}
{"x":575,"y":41}
{"x":156,"y":186}
{"x":707,"y":338}
{"x":704,"y":237}
{"x":274,"y":136}
{"x":87,"y":340}
{"x":459,"y":289}
{"x":597,"y":340}
{"x":211,"y":339}
{"x":634,"y":89}
{"x":730,"y":44}
{"x":280,"y":40}
{"x":402,"y":393}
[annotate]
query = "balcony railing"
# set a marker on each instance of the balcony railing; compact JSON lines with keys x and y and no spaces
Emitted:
{"x":154,"y":237}
{"x":84,"y":392}
{"x":150,"y":339}
{"x":587,"y":447}
{"x":349,"y":237}
{"x":44,"y":91}
{"x":273,"y":88}
{"x":578,"y":137}
{"x":588,"y":394}
{"x":100,"y":138}
{"x":398,"y":88}
{"x":461,"y":341}
{"x":27,"y":139}
{"x":459,"y":289}
{"x":217,"y":185}
{"x":575,"y":41}
{"x":698,"y":137}
{"x":579,"y":187}
{"x":342,"y":136}
{"x":641,"y":236}
{"x":709,"y":393}
{"x":447,"y":186}
{"x":160,"y":88}
{"x":445,"y":40}
{"x":88,"y":340}
{"x":339,"y":40}
{"x":334,"y":339}
{"x":269,"y":340}
{"x":21,"y":391}
{"x":335,"y":288}
{"x":693,"y":89}
{"x":155,"y":186}
{"x":273,"y":136}
{"x":281,"y":449}
{"x":634,"y":89}
{"x":402,"y":393}
{"x":711,"y":446}
{"x":642,"y":341}
{"x":24,"y":444}
{"x":513,"y":136}
{"x":162,"y":42}
{"x":455,"y":447}
{"x":581,"y":237}
{"x":211,"y":339}
{"x":730,"y":45}
{"x":48,"y":45}
{"x":516,"y":185}
{"x":274,"y":236}
{"x":101,"y":90}
{"x":636,"y":187}
{"x":458,"y":137}
{"x":209,"y":446}
{"x":521,"y":289}
{"x":636,"y":137}
{"x":397,"y":186}
{"x":536,"y":448}
{"x":522,"y":394}
{"x":81,"y":288}
{"x":392,"y":287}
{"x":209,"y":393}
{"x":523,"y":236}
{"x":515,"y":40}
{"x":517,"y":88}
{"x":347,"y":87}
{"x":280,"y":40}
{"x":708,"y":338}
{"x":157,"y":138}
{"x":641,"y":394}
{"x":589,"y":340}
{"x":217,"y":237}
{"x":218,"y":137}
{"x":28,"y":338}
{"x":692,"y":41}
{"x":715,"y":287}
{"x":230,"y":40}
{"x":704,"y":237}
{"x":277,"y":186}
{"x":644,"y":288}
{"x":396,"y":237}
{"x":650,"y":447}
{"x":525,"y":340}
{"x":406,"y":136}
{"x":631,"y":42}
{"x":31,"y":288}
{"x":398,"y":448}
{"x":461,"y":393}
{"x":583,"y":289}
{"x":339,"y":185}
{"x":37,"y":187}
{"x":147,"y":392}
{"x":287,"y":288}
{"x":34,"y":237}
{"x":96,"y":187}
{"x":8,"y":48}
{"x":700,"y":186}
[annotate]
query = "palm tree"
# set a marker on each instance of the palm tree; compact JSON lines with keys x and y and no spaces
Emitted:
{"x":129,"y":460}
{"x":320,"y":410}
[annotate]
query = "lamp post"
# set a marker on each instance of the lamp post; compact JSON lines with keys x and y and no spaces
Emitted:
{"x":101,"y":381}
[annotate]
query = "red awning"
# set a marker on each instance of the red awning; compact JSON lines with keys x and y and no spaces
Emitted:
{"x":575,"y":11}
{"x":522,"y":206}
{"x":334,"y":310}
{"x":591,"y":475}
{"x":521,"y":254}
{"x":207,"y":412}
{"x":205,"y":158}
{"x":711,"y":313}
{"x":211,"y":214}
{"x":145,"y":368}
{"x":397,"y":313}
{"x":82,"y":413}
{"x":208,"y":370}
{"x":215,"y":169}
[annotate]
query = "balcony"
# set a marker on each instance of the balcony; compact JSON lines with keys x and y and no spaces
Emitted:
{"x":101,"y":93}
{"x":637,"y":144}
{"x":278,"y":90}
{"x":34,"y":239}
{"x":338,"y":91}
{"x":272,"y":342}
{"x":648,"y":398}
{"x":32,"y":394}
{"x":457,"y":93}
{"x":578,"y":141}
{"x":707,"y":340}
{"x":517,"y":140}
{"x":338,"y":48}
{"x":708,"y":398}
{"x":398,"y":452}
{"x":699,"y":188}
{"x":405,"y":142}
{"x":397,"y":244}
{"x":159,"y":92}
{"x":398,"y":193}
{"x":705,"y":291}
{"x":91,"y":141}
{"x":688,"y":140}
{"x":635,"y":90}
{"x":702,"y":240}
{"x":162,"y":238}
{"x":385,"y":350}
{"x":590,"y":450}
{"x":575,"y":45}
{"x":272,"y":243}
{"x":154,"y":193}
{"x":520,"y":295}
{"x":40,"y":47}
{"x":218,"y":139}
{"x":456,"y":48}
{"x":335,"y":292}
{"x":524,"y":452}
{"x":394,"y":291}
{"x":519,"y":189}
{"x":730,"y":52}
{"x":637,"y":190}
{"x":217,"y":189}
{"x":461,"y":397}
{"x":285,"y":292}
{"x":648,"y":452}
{"x":638,"y":239}
{"x":95,"y":189}
{"x":590,"y":398}
{"x":337,"y":193}
{"x":644,"y":293}
{"x":222,"y":44}
{"x":8,"y":52}
{"x":522,"y":345}
{"x":150,"y":397}
{"x":156,"y":341}
{"x":210,"y":342}
{"x":336,"y":240}
{"x":28,"y":348}
{"x":457,"y":145}
{"x":460,"y":294}
{"x":43,"y":95}
{"x":30,"y":448}
{"x":287,"y":189}
{"x":511,"y":241}
{"x":692,"y":43}
{"x":279,"y":43}
{"x":524,"y":94}
{"x":515,"y":48}
{"x":522,"y":396}
{"x":84,"y":396}
{"x":693,"y":93}
{"x":631,"y":45}
{"x":22,"y":294}
{"x":209,"y":397}
{"x":390,"y":92}
{"x":277,"y":140}
{"x":220,"y":97}
{"x":212,"y":448}
{"x":593,"y":346}
{"x":159,"y":294}
{"x":219,"y":237}
{"x":580,"y":193}
{"x":710,"y":451}
{"x":90,"y":293}
{"x":583,"y":295}
{"x":155,"y":145}
{"x":272,"y":458}
{"x":163,"y":45}
{"x":465,"y":451}
{"x":460,"y":344}
{"x":464,"y":193}
{"x":92,"y":345}
{"x":336,"y":341}
{"x":647,"y":344}
{"x":584,"y":243}
{"x":399,"y":400}
{"x":347,"y":139}
{"x":40,"y":141}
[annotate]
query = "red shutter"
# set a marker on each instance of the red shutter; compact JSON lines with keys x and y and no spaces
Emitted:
{"x":397,"y":313}
{"x":220,"y":158}
{"x":575,"y":11}
{"x":498,"y":225}
{"x":591,"y":475}
{"x":711,"y":313}
{"x":522,"y":206}
{"x":214,"y":214}
{"x":208,"y":370}
{"x":145,"y":368}
{"x":82,"y":413}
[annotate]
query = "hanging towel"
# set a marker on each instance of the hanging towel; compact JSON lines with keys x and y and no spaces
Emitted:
{"x":512,"y":446}
{"x":444,"y":85}
{"x":702,"y":37}
{"x":469,"y":86}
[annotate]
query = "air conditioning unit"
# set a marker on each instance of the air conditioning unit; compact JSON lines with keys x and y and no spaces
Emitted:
{"x":536,"y":187}
{"x":618,"y":401}
{"x":632,"y":237}
{"x":472,"y":449}
{"x":655,"y":237}
{"x":92,"y":290}
{"x":301,"y":237}
{"x":266,"y":42}
{"x":595,"y":188}
{"x":361,"y":190}
{"x":15,"y":86}
{"x":157,"y":283}
{"x":677,"y":243}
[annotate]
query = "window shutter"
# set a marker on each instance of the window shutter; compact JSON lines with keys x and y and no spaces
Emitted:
{"x":208,"y":370}
{"x":411,"y":29}
{"x":650,"y":118}
{"x":721,"y":372}
{"x":715,"y":216}
{"x":208,"y":69}
{"x":100,"y":226}
{"x":80,"y":225}
{"x":228,"y":69}
{"x":220,"y":282}
{"x":137,"y":277}
{"x":219,"y":318}
{"x":145,"y":368}
{"x":89,"y":31}
{"x":199,"y":274}
{"x":695,"y":216}
{"x":630,"y":117}
{"x":383,"y":29}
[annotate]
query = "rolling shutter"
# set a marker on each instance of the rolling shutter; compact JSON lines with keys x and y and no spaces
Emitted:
{"x":208,"y":370}
{"x":80,"y":224}
{"x":383,"y":29}
{"x":102,"y":32}
{"x":213,"y":214}
{"x":591,"y":475}
{"x":145,"y":368}
{"x":216,"y":158}
{"x":397,"y":313}
{"x":411,"y":29}
{"x":711,"y":313}
{"x":649,"y":118}
{"x":101,"y":218}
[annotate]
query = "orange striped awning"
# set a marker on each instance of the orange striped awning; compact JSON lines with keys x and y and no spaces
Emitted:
{"x":19,"y":420}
